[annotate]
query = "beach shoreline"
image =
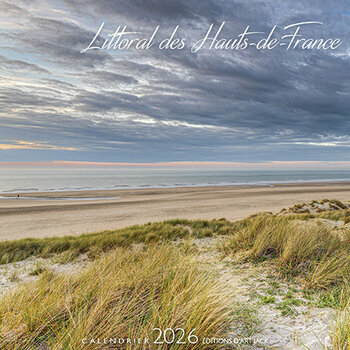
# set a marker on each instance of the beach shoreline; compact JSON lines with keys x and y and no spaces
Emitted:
{"x":47,"y":214}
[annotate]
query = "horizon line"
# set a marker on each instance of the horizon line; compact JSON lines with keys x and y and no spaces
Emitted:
{"x":179,"y":163}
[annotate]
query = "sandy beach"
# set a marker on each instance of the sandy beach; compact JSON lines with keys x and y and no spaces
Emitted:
{"x":48,"y":215}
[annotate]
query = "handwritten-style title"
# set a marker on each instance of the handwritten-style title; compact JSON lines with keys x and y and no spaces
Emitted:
{"x":293,"y":37}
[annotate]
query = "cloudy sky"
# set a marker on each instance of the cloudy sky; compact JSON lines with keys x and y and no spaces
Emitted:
{"x":171,"y":105}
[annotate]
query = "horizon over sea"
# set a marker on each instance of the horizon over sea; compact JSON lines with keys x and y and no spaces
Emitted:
{"x":46,"y":179}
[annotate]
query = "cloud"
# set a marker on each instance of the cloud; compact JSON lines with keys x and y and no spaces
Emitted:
{"x":165,"y":105}
{"x":12,"y":9}
{"x":149,"y":10}
{"x":20,"y":66}
{"x":18,"y":144}
{"x":108,"y":79}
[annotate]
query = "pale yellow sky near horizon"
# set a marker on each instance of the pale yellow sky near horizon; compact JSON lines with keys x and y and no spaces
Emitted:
{"x":261,"y":165}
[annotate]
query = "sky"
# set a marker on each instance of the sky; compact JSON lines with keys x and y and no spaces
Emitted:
{"x":144,"y":106}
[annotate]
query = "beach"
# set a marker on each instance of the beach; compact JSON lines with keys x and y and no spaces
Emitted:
{"x":50,"y":214}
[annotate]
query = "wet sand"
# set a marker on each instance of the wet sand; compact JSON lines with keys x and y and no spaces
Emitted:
{"x":51,"y":215}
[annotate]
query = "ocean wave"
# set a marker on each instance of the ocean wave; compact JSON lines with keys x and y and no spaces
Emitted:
{"x":58,"y":198}
{"x":267,"y":183}
{"x":29,"y":189}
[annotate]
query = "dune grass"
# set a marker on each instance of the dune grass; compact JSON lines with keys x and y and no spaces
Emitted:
{"x":301,"y":247}
{"x":69,"y":247}
{"x":72,"y":246}
{"x":341,"y":330}
{"x":312,"y":250}
{"x":125,"y":294}
{"x":129,"y":291}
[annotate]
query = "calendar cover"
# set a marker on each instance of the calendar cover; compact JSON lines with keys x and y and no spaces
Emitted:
{"x":174,"y":174}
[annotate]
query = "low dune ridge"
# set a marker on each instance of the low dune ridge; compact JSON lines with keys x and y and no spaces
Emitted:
{"x":269,"y":281}
{"x":317,"y":206}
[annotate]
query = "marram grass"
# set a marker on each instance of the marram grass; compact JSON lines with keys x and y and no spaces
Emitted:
{"x":124,"y":294}
{"x":304,"y":247}
{"x":311,"y":250}
{"x":72,"y":246}
{"x":127,"y":292}
{"x":340,"y":334}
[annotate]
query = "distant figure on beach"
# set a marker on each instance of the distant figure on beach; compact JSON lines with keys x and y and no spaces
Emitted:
{"x":18,"y":196}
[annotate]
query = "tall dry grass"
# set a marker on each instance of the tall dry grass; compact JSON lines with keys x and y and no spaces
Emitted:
{"x":72,"y":246}
{"x":308,"y":249}
{"x":128,"y":292}
{"x":124,"y":294}
{"x":340,"y":332}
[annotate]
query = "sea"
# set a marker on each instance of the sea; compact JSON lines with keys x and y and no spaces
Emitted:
{"x":66,"y":178}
